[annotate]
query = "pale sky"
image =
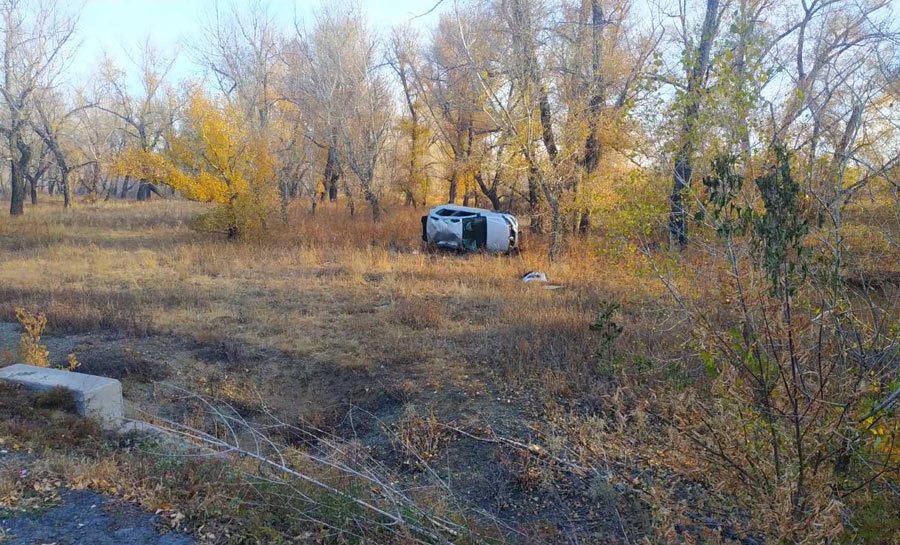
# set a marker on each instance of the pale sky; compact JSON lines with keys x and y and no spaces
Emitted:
{"x":108,"y":24}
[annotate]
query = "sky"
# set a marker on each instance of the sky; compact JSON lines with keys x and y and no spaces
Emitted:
{"x":116,"y":26}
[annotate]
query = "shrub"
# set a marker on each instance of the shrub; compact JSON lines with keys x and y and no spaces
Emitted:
{"x":30,"y":348}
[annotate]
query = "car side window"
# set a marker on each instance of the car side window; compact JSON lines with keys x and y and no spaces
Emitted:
{"x":444,"y":212}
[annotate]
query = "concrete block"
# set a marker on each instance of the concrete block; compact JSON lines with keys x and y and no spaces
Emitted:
{"x":95,"y":397}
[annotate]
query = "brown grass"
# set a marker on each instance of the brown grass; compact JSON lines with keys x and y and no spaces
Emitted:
{"x":43,"y":420}
{"x":321,"y":313}
{"x":327,"y":312}
{"x":326,"y":290}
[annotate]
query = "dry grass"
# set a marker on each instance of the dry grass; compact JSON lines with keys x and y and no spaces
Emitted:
{"x":325,"y":292}
{"x":45,"y":420}
{"x":321,"y":314}
{"x":328,"y":312}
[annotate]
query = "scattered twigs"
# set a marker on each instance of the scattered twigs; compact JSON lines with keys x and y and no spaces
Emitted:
{"x":390,"y":507}
{"x":537,"y":450}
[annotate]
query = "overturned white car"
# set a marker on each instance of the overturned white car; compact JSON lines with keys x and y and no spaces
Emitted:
{"x":470,"y":229}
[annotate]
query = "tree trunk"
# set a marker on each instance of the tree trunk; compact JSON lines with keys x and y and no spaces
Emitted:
{"x":125,"y":187}
{"x":331,"y":175}
{"x":555,"y":234}
{"x":699,"y":62}
{"x":21,"y":155}
{"x":584,"y":225}
{"x":333,"y":190}
{"x":534,"y":203}
{"x":146,"y":190}
{"x":489,"y":192}
{"x":284,"y":210}
{"x":413,"y":145}
{"x":523,"y":34}
{"x":376,"y":208}
{"x":284,"y":188}
{"x":678,"y":214}
{"x":17,"y":182}
{"x":454,"y":184}
{"x":67,"y":190}
{"x":592,"y":149}
{"x":492,"y":196}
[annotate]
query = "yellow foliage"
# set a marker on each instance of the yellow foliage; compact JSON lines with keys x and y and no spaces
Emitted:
{"x":31,"y":350}
{"x":214,"y":158}
{"x":72,"y":363}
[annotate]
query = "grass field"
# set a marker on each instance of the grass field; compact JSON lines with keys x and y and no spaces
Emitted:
{"x":440,"y":367}
{"x":328,"y":315}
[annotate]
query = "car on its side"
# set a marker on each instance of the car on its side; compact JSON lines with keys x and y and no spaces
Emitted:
{"x":470,"y":229}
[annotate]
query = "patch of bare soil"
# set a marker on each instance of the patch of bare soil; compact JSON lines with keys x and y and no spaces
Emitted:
{"x":87,"y":517}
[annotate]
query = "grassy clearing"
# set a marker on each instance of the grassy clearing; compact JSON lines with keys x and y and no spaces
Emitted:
{"x":428,"y":368}
{"x":324,"y":292}
{"x":329,"y":313}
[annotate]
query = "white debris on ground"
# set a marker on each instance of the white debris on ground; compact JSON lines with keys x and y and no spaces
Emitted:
{"x":534,"y":276}
{"x":540,"y":277}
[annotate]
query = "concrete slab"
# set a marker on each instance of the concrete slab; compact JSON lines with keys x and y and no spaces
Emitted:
{"x":95,"y":397}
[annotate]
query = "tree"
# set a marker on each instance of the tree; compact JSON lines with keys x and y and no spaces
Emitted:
{"x":213,"y":158}
{"x":50,"y":125}
{"x":242,"y":50}
{"x":146,"y":116}
{"x":341,"y":81}
{"x":455,"y":95}
{"x":310,"y":83}
{"x":96,"y":138}
{"x":36,"y":38}
{"x":696,"y":67}
{"x":402,"y":57}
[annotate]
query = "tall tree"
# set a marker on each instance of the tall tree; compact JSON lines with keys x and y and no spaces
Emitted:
{"x":146,"y":115}
{"x":36,"y":38}
{"x":340,"y":80}
{"x":402,"y":57}
{"x":52,"y":124}
{"x":696,"y":67}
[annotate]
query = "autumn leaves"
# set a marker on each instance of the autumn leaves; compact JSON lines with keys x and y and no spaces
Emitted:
{"x":212,"y":156}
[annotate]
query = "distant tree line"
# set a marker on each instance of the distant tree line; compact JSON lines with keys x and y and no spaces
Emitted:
{"x":551,"y":108}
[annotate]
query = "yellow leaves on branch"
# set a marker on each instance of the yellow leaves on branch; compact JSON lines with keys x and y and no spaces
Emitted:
{"x":214,"y":157}
{"x":31,"y":350}
{"x":142,"y":165}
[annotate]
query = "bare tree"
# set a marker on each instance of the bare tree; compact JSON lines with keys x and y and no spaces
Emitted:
{"x":311,"y":85}
{"x":402,"y":56}
{"x":35,"y":50}
{"x":240,"y":48}
{"x":53,"y":123}
{"x":145,"y":116}
{"x":339,"y":78}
